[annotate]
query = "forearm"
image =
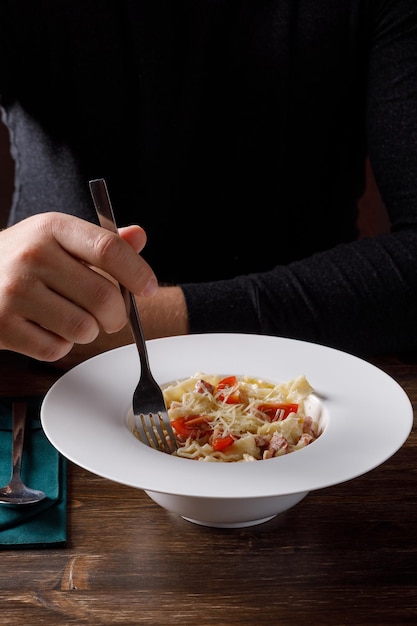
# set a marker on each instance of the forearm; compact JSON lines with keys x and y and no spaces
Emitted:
{"x":162,"y":315}
{"x":165,"y":314}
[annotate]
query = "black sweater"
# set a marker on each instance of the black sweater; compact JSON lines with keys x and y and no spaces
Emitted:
{"x":236,"y":133}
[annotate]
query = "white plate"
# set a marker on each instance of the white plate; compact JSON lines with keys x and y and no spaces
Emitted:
{"x":367,"y":416}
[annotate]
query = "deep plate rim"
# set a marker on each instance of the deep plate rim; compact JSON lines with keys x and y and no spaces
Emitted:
{"x":84,"y":416}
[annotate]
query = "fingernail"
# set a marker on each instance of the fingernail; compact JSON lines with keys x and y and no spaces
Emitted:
{"x":151,"y":288}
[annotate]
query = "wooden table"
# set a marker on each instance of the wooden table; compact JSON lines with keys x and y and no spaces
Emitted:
{"x":346,"y":555}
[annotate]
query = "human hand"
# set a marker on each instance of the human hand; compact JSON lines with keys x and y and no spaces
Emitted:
{"x":51,"y":295}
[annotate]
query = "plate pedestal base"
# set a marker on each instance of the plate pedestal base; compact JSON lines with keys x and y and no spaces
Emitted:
{"x":231,"y":525}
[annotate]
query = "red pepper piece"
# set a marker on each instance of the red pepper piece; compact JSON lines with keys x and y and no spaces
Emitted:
{"x":228,"y":390}
{"x":278,"y":411}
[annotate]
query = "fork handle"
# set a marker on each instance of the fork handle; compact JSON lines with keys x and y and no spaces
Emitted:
{"x":136,"y":328}
{"x":19,"y":420}
{"x":107,"y":220}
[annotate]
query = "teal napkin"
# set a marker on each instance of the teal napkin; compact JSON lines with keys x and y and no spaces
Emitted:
{"x":41,"y":525}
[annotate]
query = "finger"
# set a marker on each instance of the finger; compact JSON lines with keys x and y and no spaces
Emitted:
{"x":133,"y":235}
{"x":34,"y":341}
{"x":99,"y":247}
{"x":60,"y":316}
{"x":84,"y":291}
{"x":74,"y":305}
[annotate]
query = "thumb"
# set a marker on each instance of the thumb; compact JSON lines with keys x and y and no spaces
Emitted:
{"x":134,"y":235}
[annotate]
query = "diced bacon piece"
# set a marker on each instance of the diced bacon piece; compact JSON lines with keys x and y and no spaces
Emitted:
{"x":277,"y":445}
{"x":262,"y":441}
{"x":202,"y":386}
{"x":304,"y":440}
{"x":308,"y":426}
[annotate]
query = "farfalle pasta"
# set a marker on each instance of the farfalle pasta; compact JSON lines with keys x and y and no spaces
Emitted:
{"x":233,"y":419}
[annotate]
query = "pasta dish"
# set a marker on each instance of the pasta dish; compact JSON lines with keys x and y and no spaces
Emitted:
{"x":230,"y":418}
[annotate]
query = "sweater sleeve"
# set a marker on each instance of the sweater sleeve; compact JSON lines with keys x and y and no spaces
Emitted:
{"x":359,"y":296}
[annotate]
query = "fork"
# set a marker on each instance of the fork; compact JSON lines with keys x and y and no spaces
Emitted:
{"x":148,"y":403}
{"x":16,"y":492}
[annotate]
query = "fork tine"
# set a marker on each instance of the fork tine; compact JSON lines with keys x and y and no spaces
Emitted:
{"x":148,"y":429}
{"x":160,"y":430}
{"x":140,"y":429}
{"x":152,"y":432}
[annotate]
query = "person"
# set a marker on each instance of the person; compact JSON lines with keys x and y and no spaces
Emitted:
{"x":236,"y":134}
